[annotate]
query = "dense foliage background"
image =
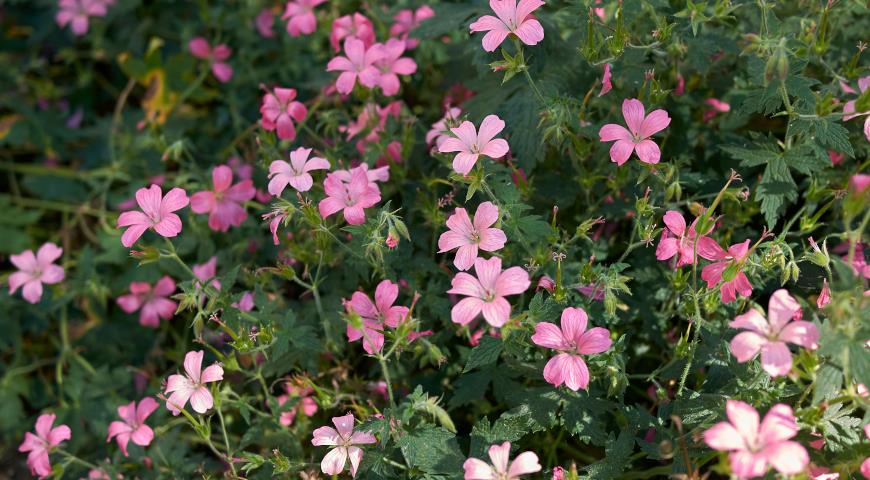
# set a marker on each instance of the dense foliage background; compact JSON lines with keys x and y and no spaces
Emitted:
{"x":757,"y":148}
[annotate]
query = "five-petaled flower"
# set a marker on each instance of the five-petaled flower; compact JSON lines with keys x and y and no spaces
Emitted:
{"x":728,"y":266}
{"x":502,"y":468}
{"x":375,"y":315}
{"x":77,"y":13}
{"x":300,"y":17}
{"x":682,"y":243}
{"x":470,"y":236}
{"x":636,"y":137}
{"x":511,"y":18}
{"x":296,"y":173}
{"x":152,"y":303}
{"x":218,"y":57}
{"x":133,"y":425}
{"x":471,"y":143}
{"x":407,"y":20}
{"x":191,"y":385}
{"x":352,"y":26}
{"x":226,"y":203}
{"x":278,"y":111}
{"x":571,"y":341}
{"x":351,"y":197}
{"x":42,"y":443}
{"x":156,"y":213}
{"x":357,"y":63}
{"x":485,"y":294}
{"x":390,"y":64}
{"x":34,"y":270}
{"x":304,"y":403}
{"x":344,"y":440}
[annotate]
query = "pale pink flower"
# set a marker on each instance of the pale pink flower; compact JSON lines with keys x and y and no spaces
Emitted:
{"x":822,"y":473}
{"x":34,"y":270}
{"x":754,"y":448}
{"x":296,"y":173}
{"x":352,"y":26}
{"x":152,"y":303}
{"x":218,"y":56}
{"x":42,"y":443}
{"x":470,"y":144}
{"x":76,"y":13}
{"x":571,"y":341}
{"x":771,"y":335}
{"x":470,"y":236}
{"x":345,"y":441}
{"x":502,"y":468}
{"x":191,"y":385}
{"x":305,"y":403}
{"x":351,"y":197}
{"x":511,"y":18}
{"x":390,"y":63}
{"x":300,"y":17}
{"x":606,"y":85}
{"x":357,"y":63}
{"x":824,"y":295}
{"x":206,"y":273}
{"x":407,"y":20}
{"x":440,"y":130}
{"x":375,"y":316}
{"x":133,"y":425}
{"x":849,"y":108}
{"x":156,"y":213}
{"x":486,"y":292}
{"x":713,"y":274}
{"x":637,"y":137}
{"x":263,"y":23}
{"x":278,"y":111}
{"x":682,"y":242}
{"x":380,"y":174}
{"x":225,"y":204}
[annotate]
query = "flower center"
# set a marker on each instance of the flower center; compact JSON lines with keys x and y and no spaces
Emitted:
{"x":474,"y":236}
{"x":488,"y":295}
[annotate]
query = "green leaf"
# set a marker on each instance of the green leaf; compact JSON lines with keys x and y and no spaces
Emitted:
{"x":485,"y":353}
{"x":616,"y":460}
{"x":433,"y":450}
{"x":829,"y":380}
{"x":751,"y":157}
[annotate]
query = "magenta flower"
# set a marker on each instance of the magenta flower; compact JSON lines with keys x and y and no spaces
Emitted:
{"x":345,"y":441}
{"x":76,"y":13}
{"x":754,"y":448}
{"x":191,"y":385}
{"x":390,"y":63}
{"x":352,"y":26}
{"x":225,"y":205}
{"x":471,"y":144}
{"x":682,"y":242}
{"x":133,"y":425}
{"x":300,"y":17}
{"x":771,"y":335}
{"x":263,"y":23}
{"x":206,"y":273}
{"x":305,"y":404}
{"x":571,"y":340}
{"x":351,"y":197}
{"x":501,"y":468}
{"x":156,"y":213}
{"x":217,"y":56}
{"x":713,"y":274}
{"x":606,"y":84}
{"x":440,"y":129}
{"x":358,"y":63}
{"x":34,"y":270}
{"x":636,"y":137}
{"x":42,"y":443}
{"x":486,"y":292}
{"x":375,"y":315}
{"x":279,"y":110}
{"x":407,"y":20}
{"x":152,"y":303}
{"x":245,"y":303}
{"x":511,"y":18}
{"x":849,"y":109}
{"x":296,"y":173}
{"x":470,"y":236}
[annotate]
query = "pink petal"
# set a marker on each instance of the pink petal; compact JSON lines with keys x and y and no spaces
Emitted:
{"x":709,"y":249}
{"x":549,"y":335}
{"x":491,"y":126}
{"x":199,"y":47}
{"x":463,"y":162}
{"x":530,"y":32}
{"x":477,"y":470}
{"x":612,"y":132}
{"x":525,"y":463}
{"x":744,"y":418}
{"x":496,"y":148}
{"x":745,"y":346}
{"x":344,"y":425}
{"x":778,"y":425}
{"x":325,"y":436}
{"x":655,"y":122}
{"x":496,"y":312}
{"x":465,"y":284}
{"x":620,"y":151}
{"x":500,"y":455}
{"x":466,"y":310}
{"x":675,"y":222}
{"x":465,"y":257}
{"x":788,"y":458}
{"x":47,"y":254}
{"x":212,"y":373}
{"x":32,"y":291}
{"x":801,"y":333}
{"x":333,"y":462}
{"x":513,"y":281}
{"x":596,"y":340}
{"x":201,"y":400}
{"x":648,"y":152}
{"x":492,"y":239}
{"x":142,"y":436}
{"x":202,"y":202}
{"x":775,"y":358}
{"x":781,"y":309}
{"x":193,"y":365}
{"x":633,"y":112}
{"x":724,"y":437}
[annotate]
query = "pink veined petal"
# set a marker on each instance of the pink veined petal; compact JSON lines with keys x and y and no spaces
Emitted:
{"x":355,"y":215}
{"x":496,"y":148}
{"x":466,"y":310}
{"x":316,"y":163}
{"x":487,"y":23}
{"x":744,"y":418}
{"x":212,"y":373}
{"x":525,"y":7}
{"x":667,"y":247}
{"x":178,"y":400}
{"x":788,"y":458}
{"x":201,"y":400}
{"x":745,"y":346}
{"x":724,"y":437}
{"x":492,"y":239}
{"x":675,"y":222}
{"x":499,"y":455}
{"x":781,"y":309}
{"x":345,"y":82}
{"x":395,"y":316}
{"x":149,"y":200}
{"x":241,"y":192}
{"x":344,"y":425}
{"x":169,"y":225}
{"x":467,"y":134}
{"x":648,"y":152}
{"x":463,"y":162}
{"x":491,"y":126}
{"x":476,"y":469}
{"x":363,"y":438}
{"x":752,"y":320}
{"x":285,"y":128}
{"x":333,"y":462}
{"x":556,"y":368}
{"x":193,"y":365}
{"x":775,"y":358}
{"x":801,"y":333}
{"x":595,"y":340}
{"x":530,"y":32}
{"x":746,"y":464}
{"x":202,"y":202}
{"x":466,"y":284}
{"x":301,"y":183}
{"x":465,"y":257}
{"x":451,"y":144}
{"x":450,"y":240}
{"x":488,"y":273}
{"x":513,"y":281}
{"x":32,"y":291}
{"x":621,"y":151}
{"x":133,"y":233}
{"x":525,"y":463}
{"x":355,"y":455}
{"x":146,"y":407}
{"x":496,"y":312}
{"x":460,"y":222}
{"x":573,"y":323}
{"x":612,"y":132}
{"x":710,"y":249}
{"x":386,"y":294}
{"x":655,"y":122}
{"x":633,"y":112}
{"x":485,"y":216}
{"x":493,"y":38}
{"x":549,"y":335}
{"x":577,"y":374}
{"x":329,"y":206}
{"x":778,"y":425}
{"x":325,"y":436}
{"x":363,"y":305}
{"x":142,"y":436}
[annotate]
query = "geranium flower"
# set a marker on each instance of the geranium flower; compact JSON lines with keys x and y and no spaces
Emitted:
{"x":501,"y":468}
{"x":471,"y":144}
{"x":296,"y":173}
{"x":34,"y":270}
{"x":754,"y":448}
{"x":683,"y":241}
{"x":217,"y":56}
{"x":263,"y":23}
{"x":76,"y":13}
{"x":306,"y":403}
{"x":717,"y":106}
{"x":191,"y":385}
{"x":375,"y":315}
{"x":470,"y":236}
{"x":345,"y":441}
{"x":152,"y":303}
{"x":380,"y":174}
{"x":824,"y":295}
{"x":486,"y":292}
{"x":606,"y":84}
{"x":352,"y":197}
{"x":850,"y":112}
{"x":356,"y":64}
{"x":279,"y":110}
{"x":391,"y":64}
{"x":226,"y":203}
{"x":352,"y":26}
{"x":865,"y":465}
{"x":300,"y":17}
{"x":440,"y":129}
{"x":770,"y":336}
{"x":636,"y":137}
{"x":42,"y":443}
{"x":732,"y":259}
{"x":206,"y":273}
{"x":407,"y":20}
{"x":156,"y":213}
{"x":512,"y":18}
{"x":246,"y":303}
{"x":571,"y":340}
{"x":133,"y":425}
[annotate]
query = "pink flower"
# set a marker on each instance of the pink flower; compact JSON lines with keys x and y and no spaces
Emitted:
{"x":718,"y":106}
{"x":156,"y":213}
{"x":381,"y":174}
{"x":352,"y":26}
{"x":351,"y":197}
{"x":225,"y":204}
{"x":836,"y":157}
{"x":300,"y":16}
{"x":440,"y":129}
{"x":406,"y":21}
{"x":501,"y":468}
{"x":471,"y":144}
{"x":636,"y":137}
{"x":358,"y":63}
{"x":513,"y":18}
{"x":133,"y":426}
{"x":486,"y":292}
{"x":822,"y":473}
{"x":606,"y":86}
{"x":34,"y":270}
{"x":264,"y":22}
{"x":859,"y":182}
{"x":771,"y":335}
{"x":218,"y":56}
{"x":390,"y":63}
{"x":295,"y":173}
{"x":849,"y":109}
{"x":345,"y":441}
{"x":683,"y":241}
{"x":278,"y":111}
{"x":153,"y":303}
{"x":191,"y":385}
{"x":558,"y":473}
{"x":246,"y":303}
{"x":680,"y":88}
{"x":41,"y":444}
{"x":754,"y":448}
{"x":375,"y":316}
{"x":731,"y":261}
{"x":824,"y":295}
{"x":306,"y":403}
{"x":207,"y":271}
{"x":865,"y":465}
{"x":468,"y":236}
{"x":275,"y":218}
{"x":76,"y":13}
{"x":571,"y":340}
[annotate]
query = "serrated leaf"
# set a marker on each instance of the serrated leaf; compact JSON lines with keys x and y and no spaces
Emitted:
{"x":485,"y":353}
{"x":433,"y":450}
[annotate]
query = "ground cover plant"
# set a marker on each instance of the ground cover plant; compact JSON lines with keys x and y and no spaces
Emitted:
{"x":591,"y":239}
